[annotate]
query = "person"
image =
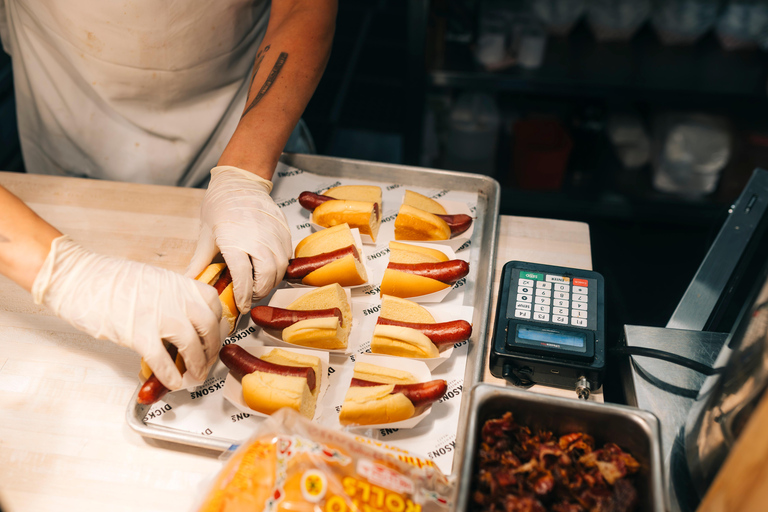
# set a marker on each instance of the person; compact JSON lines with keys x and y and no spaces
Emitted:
{"x":172,"y":93}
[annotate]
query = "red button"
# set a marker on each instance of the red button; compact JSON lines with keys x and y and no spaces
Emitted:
{"x":580,"y":282}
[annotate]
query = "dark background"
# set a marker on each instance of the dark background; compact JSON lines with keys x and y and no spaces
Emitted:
{"x":394,"y":60}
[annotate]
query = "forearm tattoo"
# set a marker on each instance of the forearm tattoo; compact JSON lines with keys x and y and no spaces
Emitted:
{"x":270,"y":79}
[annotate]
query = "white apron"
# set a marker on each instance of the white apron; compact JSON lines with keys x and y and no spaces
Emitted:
{"x":147,"y":91}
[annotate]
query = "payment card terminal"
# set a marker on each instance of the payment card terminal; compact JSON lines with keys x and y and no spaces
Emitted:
{"x":550,"y":327}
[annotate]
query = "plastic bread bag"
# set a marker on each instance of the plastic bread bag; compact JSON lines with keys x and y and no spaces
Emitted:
{"x":292,"y":464}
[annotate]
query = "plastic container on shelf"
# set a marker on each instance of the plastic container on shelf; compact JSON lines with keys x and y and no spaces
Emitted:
{"x":559,"y":16}
{"x":629,"y":139}
{"x":472,"y":134}
{"x":683,"y":21}
{"x":541,"y":148}
{"x":742,"y":24}
{"x":690,"y":153}
{"x":617,"y":20}
{"x":529,"y":41}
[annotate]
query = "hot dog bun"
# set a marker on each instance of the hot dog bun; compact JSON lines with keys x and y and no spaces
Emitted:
{"x":229,"y":311}
{"x":423,"y":202}
{"x":267,"y":392}
{"x":414,"y":270}
{"x":326,"y":333}
{"x":415,"y":224}
{"x":403,"y":341}
{"x":375,"y":373}
{"x":363,"y":215}
{"x":404,"y":285}
{"x":347,"y":270}
{"x":324,"y":241}
{"x":370,"y":193}
{"x":409,"y":253}
{"x":404,"y":310}
{"x":377,"y":404}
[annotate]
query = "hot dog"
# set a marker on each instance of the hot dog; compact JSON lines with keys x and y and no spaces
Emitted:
{"x":279,"y":318}
{"x":445,"y":271}
{"x":458,"y":223}
{"x":299,"y":268}
{"x":406,"y":329}
{"x":441,"y":334}
{"x":241,"y":363}
{"x":328,"y":256}
{"x":323,"y":319}
{"x":218,"y":276}
{"x":422,"y":218}
{"x":153,"y":390}
{"x":414,"y":279}
{"x":310,"y":200}
{"x":379,"y":395}
{"x":356,"y":205}
{"x":277,"y":379}
{"x":421,"y":393}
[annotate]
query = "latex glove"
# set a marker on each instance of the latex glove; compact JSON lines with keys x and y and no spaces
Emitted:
{"x":240,"y":220}
{"x":135,"y":305}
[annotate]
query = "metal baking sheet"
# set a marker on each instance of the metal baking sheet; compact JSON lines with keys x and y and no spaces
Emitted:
{"x":482,"y":256}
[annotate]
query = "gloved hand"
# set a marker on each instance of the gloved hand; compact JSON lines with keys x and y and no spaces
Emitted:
{"x":240,"y":220}
{"x":135,"y":305}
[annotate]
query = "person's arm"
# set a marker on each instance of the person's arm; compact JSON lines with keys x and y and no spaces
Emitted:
{"x":289,"y":65}
{"x":239,"y":218}
{"x":25,"y":240}
{"x":132,"y":304}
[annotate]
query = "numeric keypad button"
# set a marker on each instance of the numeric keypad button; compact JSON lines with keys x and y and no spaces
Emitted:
{"x":579,"y":322}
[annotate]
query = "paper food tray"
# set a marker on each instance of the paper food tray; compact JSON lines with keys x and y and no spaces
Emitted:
{"x":415,"y":368}
{"x":281,"y":299}
{"x":441,"y":313}
{"x":233,"y":389}
{"x":358,"y":244}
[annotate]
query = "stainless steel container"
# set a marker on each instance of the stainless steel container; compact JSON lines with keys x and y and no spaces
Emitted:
{"x":633,"y":430}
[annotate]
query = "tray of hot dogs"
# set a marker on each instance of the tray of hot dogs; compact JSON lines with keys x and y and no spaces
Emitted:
{"x":378,"y":327}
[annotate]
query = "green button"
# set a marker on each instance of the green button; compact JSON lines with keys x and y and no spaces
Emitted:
{"x":531,"y":275}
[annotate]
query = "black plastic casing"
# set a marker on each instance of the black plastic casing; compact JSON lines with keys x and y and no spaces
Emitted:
{"x":521,"y":366}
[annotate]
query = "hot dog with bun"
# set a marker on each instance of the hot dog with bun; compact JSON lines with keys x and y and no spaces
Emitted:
{"x":278,"y":379}
{"x":327,"y":256}
{"x":422,"y":218}
{"x":406,"y":329}
{"x":218,"y":276}
{"x":379,"y":395}
{"x":356,"y":205}
{"x":321,"y":318}
{"x":414,"y":270}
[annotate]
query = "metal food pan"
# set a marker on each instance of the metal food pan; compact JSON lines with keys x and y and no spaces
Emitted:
{"x":633,"y":430}
{"x":482,"y":256}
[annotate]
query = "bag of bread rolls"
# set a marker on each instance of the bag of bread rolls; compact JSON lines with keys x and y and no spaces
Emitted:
{"x":292,"y":464}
